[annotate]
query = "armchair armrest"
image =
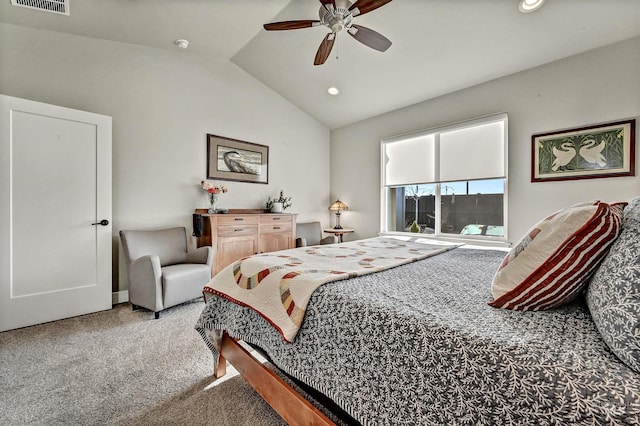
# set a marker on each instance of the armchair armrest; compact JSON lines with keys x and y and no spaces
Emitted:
{"x":331,"y":239}
{"x":145,"y":282}
{"x":301,"y":242}
{"x":200,"y":255}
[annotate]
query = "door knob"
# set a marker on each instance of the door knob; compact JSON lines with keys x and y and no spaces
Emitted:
{"x":103,"y":222}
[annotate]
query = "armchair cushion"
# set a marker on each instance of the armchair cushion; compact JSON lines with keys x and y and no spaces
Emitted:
{"x":183,"y":282}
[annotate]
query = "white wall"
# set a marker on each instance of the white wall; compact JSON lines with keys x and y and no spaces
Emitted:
{"x":594,"y":87}
{"x":163,"y":103}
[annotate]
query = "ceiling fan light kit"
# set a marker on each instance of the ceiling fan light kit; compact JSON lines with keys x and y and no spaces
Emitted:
{"x":338,"y":15}
{"x":335,"y":19}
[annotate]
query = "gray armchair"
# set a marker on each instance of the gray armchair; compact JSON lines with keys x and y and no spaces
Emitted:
{"x":162,"y":273}
{"x":310,"y":234}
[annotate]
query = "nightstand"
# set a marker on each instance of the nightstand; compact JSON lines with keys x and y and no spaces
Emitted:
{"x":339,"y":232}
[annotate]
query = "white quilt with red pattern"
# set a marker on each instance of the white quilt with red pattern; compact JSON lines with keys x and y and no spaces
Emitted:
{"x":278,"y":285}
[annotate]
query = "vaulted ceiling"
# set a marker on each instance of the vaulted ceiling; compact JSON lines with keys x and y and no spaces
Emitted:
{"x":439,"y":46}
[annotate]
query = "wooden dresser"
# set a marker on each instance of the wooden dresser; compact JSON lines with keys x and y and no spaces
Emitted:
{"x":241,"y":233}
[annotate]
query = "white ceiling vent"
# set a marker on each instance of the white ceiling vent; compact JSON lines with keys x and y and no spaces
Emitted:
{"x":54,"y":6}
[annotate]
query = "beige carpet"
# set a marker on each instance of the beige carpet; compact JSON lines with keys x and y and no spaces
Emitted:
{"x":121,"y":367}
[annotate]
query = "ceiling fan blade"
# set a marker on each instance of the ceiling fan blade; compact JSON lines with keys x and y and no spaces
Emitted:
{"x":361,"y":7}
{"x":326,"y":2}
{"x":370,"y":38}
{"x":290,"y":25}
{"x":325,"y":49}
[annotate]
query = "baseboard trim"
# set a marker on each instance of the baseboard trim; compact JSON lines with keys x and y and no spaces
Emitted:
{"x":119,"y":297}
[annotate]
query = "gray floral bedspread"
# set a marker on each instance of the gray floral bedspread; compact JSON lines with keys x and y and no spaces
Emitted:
{"x":418,"y":345}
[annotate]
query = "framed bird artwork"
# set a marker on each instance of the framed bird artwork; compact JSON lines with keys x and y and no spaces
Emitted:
{"x":597,"y":151}
{"x":232,"y":159}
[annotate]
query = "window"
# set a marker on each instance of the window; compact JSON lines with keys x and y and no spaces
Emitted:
{"x":449,"y":181}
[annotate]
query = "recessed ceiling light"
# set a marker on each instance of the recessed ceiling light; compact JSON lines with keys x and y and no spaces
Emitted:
{"x":333,"y":90}
{"x":182,"y":44}
{"x":527,"y":6}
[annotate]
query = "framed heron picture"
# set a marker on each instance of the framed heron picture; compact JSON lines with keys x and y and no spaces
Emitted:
{"x":232,"y":159}
{"x":598,"y":151}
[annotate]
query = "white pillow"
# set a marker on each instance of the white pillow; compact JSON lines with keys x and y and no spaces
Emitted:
{"x":552,"y":262}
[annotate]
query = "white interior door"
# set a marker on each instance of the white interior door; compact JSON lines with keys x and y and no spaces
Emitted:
{"x":55,"y":257}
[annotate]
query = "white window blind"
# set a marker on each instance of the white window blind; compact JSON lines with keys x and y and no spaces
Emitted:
{"x":473,"y":153}
{"x":408,"y":161}
{"x":470,"y":150}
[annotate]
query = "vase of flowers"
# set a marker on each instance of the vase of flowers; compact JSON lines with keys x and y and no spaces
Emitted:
{"x":213,"y":190}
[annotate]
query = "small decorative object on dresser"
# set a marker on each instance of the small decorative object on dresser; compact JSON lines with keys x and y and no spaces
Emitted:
{"x":278,"y":205}
{"x":212,"y":194}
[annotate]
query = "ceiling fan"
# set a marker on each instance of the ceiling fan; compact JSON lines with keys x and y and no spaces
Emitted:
{"x":338,"y":15}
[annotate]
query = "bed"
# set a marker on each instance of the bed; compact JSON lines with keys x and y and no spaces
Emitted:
{"x":418,"y":343}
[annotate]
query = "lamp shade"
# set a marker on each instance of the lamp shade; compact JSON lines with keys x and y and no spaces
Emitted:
{"x":338,"y":206}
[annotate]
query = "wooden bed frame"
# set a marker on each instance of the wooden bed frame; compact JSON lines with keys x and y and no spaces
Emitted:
{"x":288,"y":403}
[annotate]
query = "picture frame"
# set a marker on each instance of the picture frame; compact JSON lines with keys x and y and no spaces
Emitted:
{"x":596,"y":151}
{"x":236,"y":160}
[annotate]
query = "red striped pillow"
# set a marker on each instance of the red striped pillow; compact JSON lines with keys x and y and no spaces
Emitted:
{"x":553,"y":262}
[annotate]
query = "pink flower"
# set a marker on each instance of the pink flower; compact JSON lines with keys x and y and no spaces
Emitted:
{"x":213,"y":188}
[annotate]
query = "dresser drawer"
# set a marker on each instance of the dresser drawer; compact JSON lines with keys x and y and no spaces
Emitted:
{"x":275,"y":227}
{"x":275,"y":218}
{"x":237,"y":230}
{"x":239,"y":220}
{"x":246,"y":232}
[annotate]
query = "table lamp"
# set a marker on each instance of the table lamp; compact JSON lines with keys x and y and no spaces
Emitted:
{"x":338,"y":206}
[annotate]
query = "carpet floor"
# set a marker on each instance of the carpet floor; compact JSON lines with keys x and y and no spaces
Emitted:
{"x":121,"y":367}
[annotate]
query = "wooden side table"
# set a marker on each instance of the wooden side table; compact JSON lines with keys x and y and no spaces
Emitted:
{"x":339,"y":232}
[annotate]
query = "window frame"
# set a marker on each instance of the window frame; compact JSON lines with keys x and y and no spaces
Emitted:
{"x":438,"y":234}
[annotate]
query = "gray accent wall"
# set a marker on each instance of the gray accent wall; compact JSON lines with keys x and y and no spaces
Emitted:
{"x":594,"y":87}
{"x":163,"y":103}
